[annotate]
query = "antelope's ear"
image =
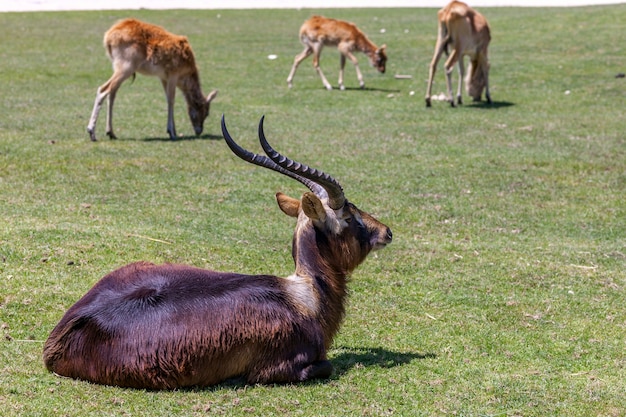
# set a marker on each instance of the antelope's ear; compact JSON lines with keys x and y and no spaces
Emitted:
{"x":313,"y":207}
{"x":211,"y":96}
{"x":381,"y":49}
{"x":290,"y":206}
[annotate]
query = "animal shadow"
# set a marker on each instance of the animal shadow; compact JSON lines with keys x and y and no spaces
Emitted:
{"x":494,"y":105}
{"x":381,"y":90}
{"x":165,"y":138}
{"x":350,"y":357}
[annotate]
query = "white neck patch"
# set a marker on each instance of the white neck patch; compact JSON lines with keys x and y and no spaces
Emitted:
{"x":301,"y":291}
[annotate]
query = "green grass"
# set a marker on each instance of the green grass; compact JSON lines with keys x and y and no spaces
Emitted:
{"x":503,"y":292}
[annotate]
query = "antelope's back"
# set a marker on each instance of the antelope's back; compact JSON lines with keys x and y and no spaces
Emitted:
{"x":329,"y":31}
{"x":151,"y":42}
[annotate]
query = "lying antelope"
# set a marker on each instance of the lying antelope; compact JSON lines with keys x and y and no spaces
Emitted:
{"x":134,"y":46}
{"x":170,"y":326}
{"x":467,"y":32}
{"x":319,"y":31}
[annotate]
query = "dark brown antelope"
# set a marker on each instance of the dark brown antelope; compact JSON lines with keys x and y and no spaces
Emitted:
{"x":170,"y":326}
{"x":319,"y":31}
{"x":134,"y":46}
{"x":467,"y":32}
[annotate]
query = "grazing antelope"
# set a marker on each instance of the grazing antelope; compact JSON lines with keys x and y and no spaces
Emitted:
{"x":134,"y":46}
{"x":170,"y":326}
{"x":319,"y":31}
{"x":467,"y":32}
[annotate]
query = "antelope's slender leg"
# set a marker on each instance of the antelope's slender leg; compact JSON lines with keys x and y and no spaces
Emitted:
{"x":297,"y":60}
{"x":442,"y":40}
{"x":101,"y":94}
{"x":449,"y":67}
{"x":170,"y":93}
{"x":342,"y":65}
{"x":317,"y":50}
{"x":345,"y":52}
{"x":108,"y":89}
{"x":485,"y":64}
{"x":459,"y":98}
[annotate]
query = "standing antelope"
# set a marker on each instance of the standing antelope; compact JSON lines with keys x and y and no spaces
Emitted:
{"x":319,"y":31}
{"x":170,"y":326}
{"x":134,"y":46}
{"x":467,"y":31}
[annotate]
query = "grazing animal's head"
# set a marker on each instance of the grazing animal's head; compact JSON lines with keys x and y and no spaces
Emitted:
{"x":379,"y":59}
{"x":476,"y":79}
{"x":198,"y":112}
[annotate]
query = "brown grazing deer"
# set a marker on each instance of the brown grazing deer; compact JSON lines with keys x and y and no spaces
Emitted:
{"x":319,"y":31}
{"x":467,"y":32}
{"x":134,"y":46}
{"x":171,"y":326}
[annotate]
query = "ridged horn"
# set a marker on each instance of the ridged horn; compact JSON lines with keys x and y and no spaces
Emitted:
{"x":333,"y":190}
{"x":264,"y":161}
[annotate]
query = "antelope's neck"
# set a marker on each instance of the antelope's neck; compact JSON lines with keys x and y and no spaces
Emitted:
{"x":190,"y":86}
{"x":317,"y":268}
{"x":364,"y":45}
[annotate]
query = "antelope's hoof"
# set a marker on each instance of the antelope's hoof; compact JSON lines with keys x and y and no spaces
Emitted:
{"x":428,"y":103}
{"x":317,"y":370}
{"x":111,"y":135}
{"x":92,"y":135}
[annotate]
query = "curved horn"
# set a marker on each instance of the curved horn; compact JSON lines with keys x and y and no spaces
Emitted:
{"x":264,"y":161}
{"x":332,"y":188}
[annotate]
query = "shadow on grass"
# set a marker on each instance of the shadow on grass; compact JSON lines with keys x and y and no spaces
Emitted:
{"x":494,"y":105}
{"x":349,"y":357}
{"x":182,"y":138}
{"x":380,"y":90}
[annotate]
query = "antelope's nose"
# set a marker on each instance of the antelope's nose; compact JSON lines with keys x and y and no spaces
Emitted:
{"x":389,"y":235}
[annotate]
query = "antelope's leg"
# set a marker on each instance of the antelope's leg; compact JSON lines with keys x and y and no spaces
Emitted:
{"x":302,"y":363}
{"x":170,"y":93}
{"x":485,"y":64}
{"x":439,"y":48}
{"x":449,"y":66}
{"x":297,"y":60}
{"x":342,"y":65}
{"x":316,"y":370}
{"x":459,"y":90}
{"x":108,"y":89}
{"x":355,"y":62}
{"x":101,"y":94}
{"x":122,"y":72}
{"x":317,"y":50}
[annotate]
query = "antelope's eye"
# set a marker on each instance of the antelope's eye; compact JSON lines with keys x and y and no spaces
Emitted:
{"x":348,"y":220}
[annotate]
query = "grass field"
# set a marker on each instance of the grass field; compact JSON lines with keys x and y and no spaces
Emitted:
{"x":503,"y":292}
